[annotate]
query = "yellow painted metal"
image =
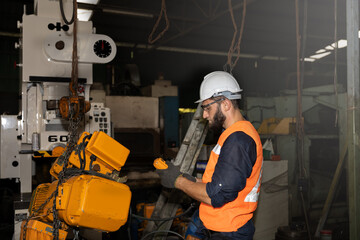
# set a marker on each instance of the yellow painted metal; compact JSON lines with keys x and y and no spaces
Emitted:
{"x":268,"y":125}
{"x":279,"y":126}
{"x":56,"y":168}
{"x":39,"y":196}
{"x":108,"y":150}
{"x":73,"y":159}
{"x":40,"y":231}
{"x":106,"y":153}
{"x":57,"y":151}
{"x":87,"y":200}
{"x":93,"y":202}
{"x":159,"y":163}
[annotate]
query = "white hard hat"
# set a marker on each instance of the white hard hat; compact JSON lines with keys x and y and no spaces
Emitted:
{"x":217,"y":84}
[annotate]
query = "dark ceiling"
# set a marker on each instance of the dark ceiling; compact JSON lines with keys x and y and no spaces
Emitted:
{"x":200,"y":34}
{"x":269,"y":29}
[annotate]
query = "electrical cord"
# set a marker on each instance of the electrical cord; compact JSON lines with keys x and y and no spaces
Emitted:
{"x":205,"y":230}
{"x":152,"y":40}
{"x":190,"y":220}
{"x":81,"y":148}
{"x":71,"y":172}
{"x":235,"y":47}
{"x":275,"y":184}
{"x":336,"y":62}
{"x":78,"y":151}
{"x":162,"y":231}
{"x":63,"y":13}
{"x":84,"y":156}
{"x":157,"y":219}
{"x":163,"y":219}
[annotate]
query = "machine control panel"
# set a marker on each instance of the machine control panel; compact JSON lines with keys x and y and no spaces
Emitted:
{"x":99,"y":118}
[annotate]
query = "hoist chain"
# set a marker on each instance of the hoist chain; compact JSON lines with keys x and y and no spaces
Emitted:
{"x":73,"y":138}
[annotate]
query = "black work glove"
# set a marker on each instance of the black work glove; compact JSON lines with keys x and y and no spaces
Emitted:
{"x":189,"y":177}
{"x":168,"y":176}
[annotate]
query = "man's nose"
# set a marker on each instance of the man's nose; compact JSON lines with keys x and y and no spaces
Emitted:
{"x":205,"y":114}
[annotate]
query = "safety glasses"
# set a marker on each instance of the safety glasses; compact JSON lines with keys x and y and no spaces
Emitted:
{"x":207,"y":106}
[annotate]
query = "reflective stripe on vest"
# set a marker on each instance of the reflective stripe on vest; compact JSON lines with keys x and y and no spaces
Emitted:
{"x":217,"y":149}
{"x":253,"y":196}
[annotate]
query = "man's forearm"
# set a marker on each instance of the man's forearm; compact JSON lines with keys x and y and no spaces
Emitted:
{"x":196,"y":190}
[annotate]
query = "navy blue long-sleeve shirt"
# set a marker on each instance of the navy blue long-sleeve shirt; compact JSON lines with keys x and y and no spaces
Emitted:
{"x":236,"y":160}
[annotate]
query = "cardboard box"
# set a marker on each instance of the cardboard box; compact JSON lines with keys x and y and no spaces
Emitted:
{"x":159,"y":91}
{"x":133,"y":112}
{"x":164,"y":83}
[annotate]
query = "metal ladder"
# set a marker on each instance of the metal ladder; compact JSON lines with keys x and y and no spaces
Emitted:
{"x":168,"y":202}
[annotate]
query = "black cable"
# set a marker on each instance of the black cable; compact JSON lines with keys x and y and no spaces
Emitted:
{"x":71,"y":172}
{"x":84,"y":156}
{"x":92,"y":158}
{"x":208,"y":234}
{"x":78,"y":152}
{"x":163,"y":219}
{"x":63,"y":13}
{"x":304,"y":38}
{"x":84,"y":146}
{"x":81,"y":148}
{"x":162,"y":231}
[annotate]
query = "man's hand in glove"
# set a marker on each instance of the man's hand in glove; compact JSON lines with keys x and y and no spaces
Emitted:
{"x":170,"y":174}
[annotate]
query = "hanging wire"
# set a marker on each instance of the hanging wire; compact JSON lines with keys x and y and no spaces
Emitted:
{"x":235,"y":47}
{"x":335,"y":64}
{"x":299,"y":121}
{"x":63,"y":13}
{"x":163,"y":11}
{"x":303,"y":47}
{"x":162,"y":231}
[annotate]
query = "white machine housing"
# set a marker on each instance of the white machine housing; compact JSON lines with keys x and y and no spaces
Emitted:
{"x":46,"y":64}
{"x":98,"y":119}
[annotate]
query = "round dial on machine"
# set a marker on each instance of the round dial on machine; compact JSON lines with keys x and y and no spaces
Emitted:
{"x":102,"y":48}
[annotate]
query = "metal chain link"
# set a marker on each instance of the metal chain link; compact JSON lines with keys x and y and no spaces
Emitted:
{"x":74,"y":122}
{"x":33,"y":214}
{"x":73,"y":138}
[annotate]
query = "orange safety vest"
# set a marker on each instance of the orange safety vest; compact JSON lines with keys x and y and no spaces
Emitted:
{"x":233,"y":215}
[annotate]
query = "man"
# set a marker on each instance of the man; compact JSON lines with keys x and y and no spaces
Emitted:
{"x":230,"y":186}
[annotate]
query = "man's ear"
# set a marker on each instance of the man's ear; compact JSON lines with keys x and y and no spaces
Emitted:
{"x":227,"y":104}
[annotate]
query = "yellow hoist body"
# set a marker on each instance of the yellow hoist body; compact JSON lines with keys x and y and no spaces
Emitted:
{"x":91,"y":197}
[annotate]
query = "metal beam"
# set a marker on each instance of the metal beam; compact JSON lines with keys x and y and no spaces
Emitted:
{"x":352,"y":28}
{"x":211,"y":19}
{"x":113,"y":9}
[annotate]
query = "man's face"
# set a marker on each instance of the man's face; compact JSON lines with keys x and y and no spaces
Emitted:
{"x":212,"y":112}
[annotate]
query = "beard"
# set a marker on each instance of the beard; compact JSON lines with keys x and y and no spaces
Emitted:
{"x":218,"y":121}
